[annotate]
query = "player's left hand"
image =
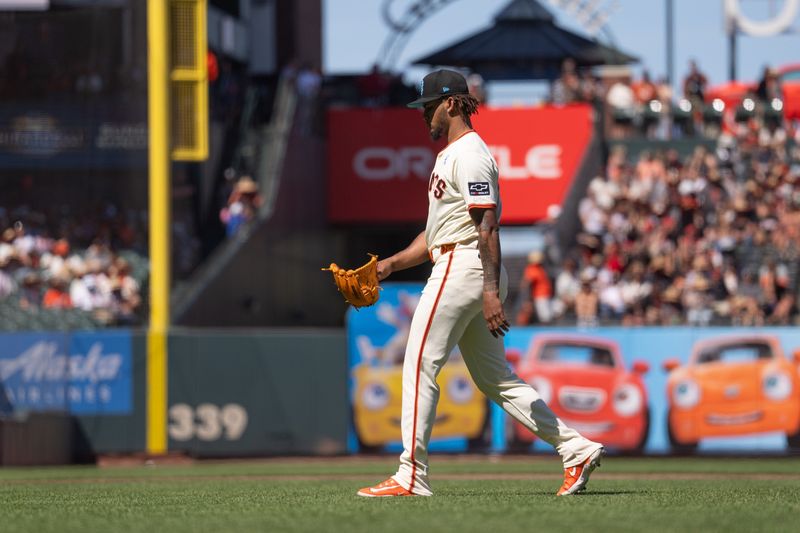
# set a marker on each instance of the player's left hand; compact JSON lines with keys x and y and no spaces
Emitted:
{"x":494,"y":314}
{"x":385,"y":269}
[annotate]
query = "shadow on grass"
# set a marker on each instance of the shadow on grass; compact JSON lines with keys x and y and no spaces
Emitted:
{"x":468,"y":493}
{"x":606,"y":493}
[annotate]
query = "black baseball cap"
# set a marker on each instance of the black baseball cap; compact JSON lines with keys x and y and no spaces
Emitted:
{"x":438,"y":84}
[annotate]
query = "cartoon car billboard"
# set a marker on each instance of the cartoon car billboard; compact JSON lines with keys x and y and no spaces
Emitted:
{"x":733,"y":385}
{"x":585,"y":383}
{"x":378,"y":398}
{"x":377,"y":382}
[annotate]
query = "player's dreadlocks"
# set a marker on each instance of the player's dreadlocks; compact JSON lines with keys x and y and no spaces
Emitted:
{"x":467,"y":106}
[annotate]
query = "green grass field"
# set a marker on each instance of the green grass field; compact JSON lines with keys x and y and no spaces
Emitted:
{"x":499,"y":495}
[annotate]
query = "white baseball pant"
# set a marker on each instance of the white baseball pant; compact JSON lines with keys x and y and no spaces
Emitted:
{"x":450,"y":312}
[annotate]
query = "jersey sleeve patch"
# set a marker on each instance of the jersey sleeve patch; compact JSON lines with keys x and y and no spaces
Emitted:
{"x":478,"y":188}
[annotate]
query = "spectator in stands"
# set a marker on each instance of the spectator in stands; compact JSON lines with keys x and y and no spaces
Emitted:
{"x":537,"y":290}
{"x":124,"y":284}
{"x":636,"y":289}
{"x":7,"y":243}
{"x":666,"y":129}
{"x":769,"y":86}
{"x":694,"y":90}
{"x":697,"y":302}
{"x":99,"y":252}
{"x":97,"y":283}
{"x":567,"y":88}
{"x":31,"y":291}
{"x":568,"y":286}
{"x":125,"y":298}
{"x":612,"y":303}
{"x":591,"y":88}
{"x":694,"y":85}
{"x":79,"y":292}
{"x":586,"y":302}
{"x":621,"y":102}
{"x":644,"y":90}
{"x":647,"y":104}
{"x":7,"y":284}
{"x":308,"y":84}
{"x":31,"y":261}
{"x":242,"y":207}
{"x":747,"y":310}
{"x":711,"y":238}
{"x":57,"y":295}
{"x":54,"y":260}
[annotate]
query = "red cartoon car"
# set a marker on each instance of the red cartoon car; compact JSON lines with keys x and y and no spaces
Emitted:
{"x":584,"y":381}
{"x":734,"y":385}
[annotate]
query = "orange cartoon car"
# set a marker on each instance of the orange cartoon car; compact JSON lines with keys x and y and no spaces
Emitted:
{"x":584,"y":381}
{"x":735,"y":385}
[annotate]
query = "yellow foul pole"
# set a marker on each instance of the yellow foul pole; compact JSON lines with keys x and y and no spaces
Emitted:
{"x":159,"y":220}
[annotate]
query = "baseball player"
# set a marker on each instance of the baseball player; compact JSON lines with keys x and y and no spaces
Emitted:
{"x":462,"y":302}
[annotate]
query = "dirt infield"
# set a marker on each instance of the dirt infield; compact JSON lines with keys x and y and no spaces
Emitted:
{"x":363,"y":477}
{"x":179,"y":469}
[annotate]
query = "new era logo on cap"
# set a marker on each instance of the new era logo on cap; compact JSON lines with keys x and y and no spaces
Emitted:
{"x":437,"y":83}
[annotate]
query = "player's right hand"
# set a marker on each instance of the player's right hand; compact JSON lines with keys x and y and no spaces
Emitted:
{"x":384,"y":269}
{"x":494,"y":314}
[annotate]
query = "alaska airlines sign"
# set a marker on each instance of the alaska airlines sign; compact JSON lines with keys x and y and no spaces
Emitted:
{"x":380,"y":160}
{"x":82,"y":373}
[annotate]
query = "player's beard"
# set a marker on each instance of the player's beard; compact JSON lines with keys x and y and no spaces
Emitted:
{"x":434,"y":130}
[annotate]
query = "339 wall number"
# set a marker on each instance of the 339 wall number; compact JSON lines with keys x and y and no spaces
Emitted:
{"x":207,"y":421}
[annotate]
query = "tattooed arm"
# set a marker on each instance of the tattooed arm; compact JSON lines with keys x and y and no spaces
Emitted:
{"x":489,"y":247}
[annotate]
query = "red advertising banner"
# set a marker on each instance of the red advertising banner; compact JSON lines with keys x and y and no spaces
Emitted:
{"x":379,"y":160}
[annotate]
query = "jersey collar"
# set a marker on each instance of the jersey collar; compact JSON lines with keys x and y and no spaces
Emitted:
{"x":454,"y":140}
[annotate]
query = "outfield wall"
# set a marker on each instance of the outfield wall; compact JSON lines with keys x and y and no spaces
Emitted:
{"x":258,"y":392}
{"x":243,"y":393}
{"x":95,"y":377}
{"x":321,"y":392}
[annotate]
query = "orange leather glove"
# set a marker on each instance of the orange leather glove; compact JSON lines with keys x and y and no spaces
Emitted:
{"x":359,"y":287}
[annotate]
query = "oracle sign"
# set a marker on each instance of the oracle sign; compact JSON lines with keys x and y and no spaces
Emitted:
{"x":541,"y":162}
{"x":380,"y":160}
{"x":387,"y":163}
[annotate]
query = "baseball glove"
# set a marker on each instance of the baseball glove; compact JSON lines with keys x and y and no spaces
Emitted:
{"x":360,"y":286}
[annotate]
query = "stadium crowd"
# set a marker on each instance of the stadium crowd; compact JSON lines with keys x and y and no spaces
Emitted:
{"x":88,"y":266}
{"x":711,"y":238}
{"x":652,"y":109}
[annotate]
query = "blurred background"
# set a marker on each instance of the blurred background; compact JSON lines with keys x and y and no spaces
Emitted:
{"x":174,"y":177}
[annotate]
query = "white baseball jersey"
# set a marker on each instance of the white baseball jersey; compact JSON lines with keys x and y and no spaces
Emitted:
{"x":464,"y":176}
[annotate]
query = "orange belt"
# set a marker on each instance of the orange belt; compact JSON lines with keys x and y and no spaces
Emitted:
{"x":443,"y":249}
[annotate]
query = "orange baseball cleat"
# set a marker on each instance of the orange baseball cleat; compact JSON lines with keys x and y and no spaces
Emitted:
{"x":390,"y":487}
{"x":576,"y":477}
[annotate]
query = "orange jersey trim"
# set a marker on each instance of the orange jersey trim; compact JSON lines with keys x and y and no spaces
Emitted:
{"x":480,"y":206}
{"x":419,"y":367}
